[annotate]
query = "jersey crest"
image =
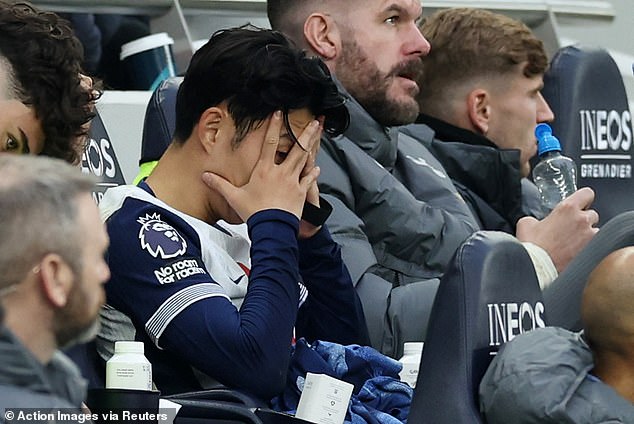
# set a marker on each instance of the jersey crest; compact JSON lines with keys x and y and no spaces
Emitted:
{"x":159,"y":238}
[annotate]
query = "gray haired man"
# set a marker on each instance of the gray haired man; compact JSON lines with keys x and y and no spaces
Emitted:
{"x":52,"y":271}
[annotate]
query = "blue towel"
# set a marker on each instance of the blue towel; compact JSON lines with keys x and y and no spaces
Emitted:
{"x":379,"y":397}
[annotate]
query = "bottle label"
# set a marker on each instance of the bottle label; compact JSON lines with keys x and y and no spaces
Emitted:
{"x":122,"y":375}
{"x":409,"y":373}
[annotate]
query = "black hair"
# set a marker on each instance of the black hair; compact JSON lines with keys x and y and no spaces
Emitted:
{"x":256,"y":72}
{"x":46,"y":60}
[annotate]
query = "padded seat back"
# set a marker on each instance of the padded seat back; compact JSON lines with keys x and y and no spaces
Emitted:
{"x":585,"y":90}
{"x":160,"y":120}
{"x":489,"y":294}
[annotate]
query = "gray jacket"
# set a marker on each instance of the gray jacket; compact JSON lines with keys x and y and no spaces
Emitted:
{"x":26,"y":383}
{"x":399,"y":220}
{"x":544,"y":377}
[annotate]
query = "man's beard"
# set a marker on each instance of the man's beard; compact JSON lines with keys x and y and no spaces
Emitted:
{"x":67,"y":338}
{"x":369,"y":86}
{"x":73,"y":324}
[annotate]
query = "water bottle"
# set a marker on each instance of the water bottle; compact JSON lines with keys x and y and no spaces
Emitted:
{"x":129,"y":368}
{"x":412,"y":352}
{"x":555,"y":175}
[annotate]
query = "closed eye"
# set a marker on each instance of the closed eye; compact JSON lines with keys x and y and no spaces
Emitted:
{"x":280,"y":156}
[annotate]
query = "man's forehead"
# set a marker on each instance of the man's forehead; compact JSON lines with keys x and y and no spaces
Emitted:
{"x":406,"y":5}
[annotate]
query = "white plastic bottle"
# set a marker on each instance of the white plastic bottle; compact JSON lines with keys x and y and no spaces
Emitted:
{"x":555,"y":175}
{"x":129,"y":368}
{"x":412,"y":352}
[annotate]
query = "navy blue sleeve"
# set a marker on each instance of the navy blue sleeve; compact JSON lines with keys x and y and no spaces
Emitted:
{"x":332,"y":311}
{"x":250,"y":348}
{"x":247,"y":349}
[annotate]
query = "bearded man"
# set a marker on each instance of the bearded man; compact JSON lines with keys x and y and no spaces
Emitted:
{"x":52,"y":271}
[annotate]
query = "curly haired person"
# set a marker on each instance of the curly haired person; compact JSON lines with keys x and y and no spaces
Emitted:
{"x":46,"y":103}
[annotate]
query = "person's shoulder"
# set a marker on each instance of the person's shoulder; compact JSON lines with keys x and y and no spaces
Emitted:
{"x":533,"y":375}
{"x":543,"y":347}
{"x":544,"y":333}
{"x":17,"y":398}
{"x":138,"y":209}
{"x":119,"y":202}
{"x":420,"y":132}
{"x":548,"y":354}
{"x":139,"y":226}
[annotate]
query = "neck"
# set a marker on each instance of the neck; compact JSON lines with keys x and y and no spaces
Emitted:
{"x":617,"y":372}
{"x":177,"y":181}
{"x":451,"y":131}
{"x":452,"y":108}
{"x":33,"y":327}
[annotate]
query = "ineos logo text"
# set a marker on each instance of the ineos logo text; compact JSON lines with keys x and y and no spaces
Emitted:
{"x":606,"y":130}
{"x":507,"y":320}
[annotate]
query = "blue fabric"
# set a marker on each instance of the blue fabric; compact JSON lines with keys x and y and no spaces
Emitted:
{"x":378,"y":396}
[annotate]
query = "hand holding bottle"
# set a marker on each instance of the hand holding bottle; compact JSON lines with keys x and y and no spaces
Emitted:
{"x":565,"y":231}
{"x":555,"y":175}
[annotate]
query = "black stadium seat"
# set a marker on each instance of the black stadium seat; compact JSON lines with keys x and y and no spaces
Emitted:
{"x":585,"y":90}
{"x":489,"y":294}
{"x":158,"y":128}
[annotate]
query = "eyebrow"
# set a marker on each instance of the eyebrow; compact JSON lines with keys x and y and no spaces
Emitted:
{"x":394,"y":8}
{"x":25,"y":142}
{"x":401,"y":10}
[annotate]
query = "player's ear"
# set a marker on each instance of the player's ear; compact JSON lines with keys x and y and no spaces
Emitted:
{"x":210,"y":126}
{"x":479,"y":109}
{"x":323,"y":36}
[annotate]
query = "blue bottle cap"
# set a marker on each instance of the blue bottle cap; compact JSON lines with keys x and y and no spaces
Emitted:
{"x":546,"y":141}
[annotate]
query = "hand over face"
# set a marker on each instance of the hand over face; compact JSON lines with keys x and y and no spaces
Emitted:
{"x":565,"y":231}
{"x":87,"y":84}
{"x":273,"y":185}
{"x":306,"y":229}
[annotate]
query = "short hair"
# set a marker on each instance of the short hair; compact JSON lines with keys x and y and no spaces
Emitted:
{"x":46,"y":60}
{"x":289,"y":16}
{"x":470,"y":43}
{"x":255,"y":71}
{"x":38,"y":212}
{"x":278,"y":12}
